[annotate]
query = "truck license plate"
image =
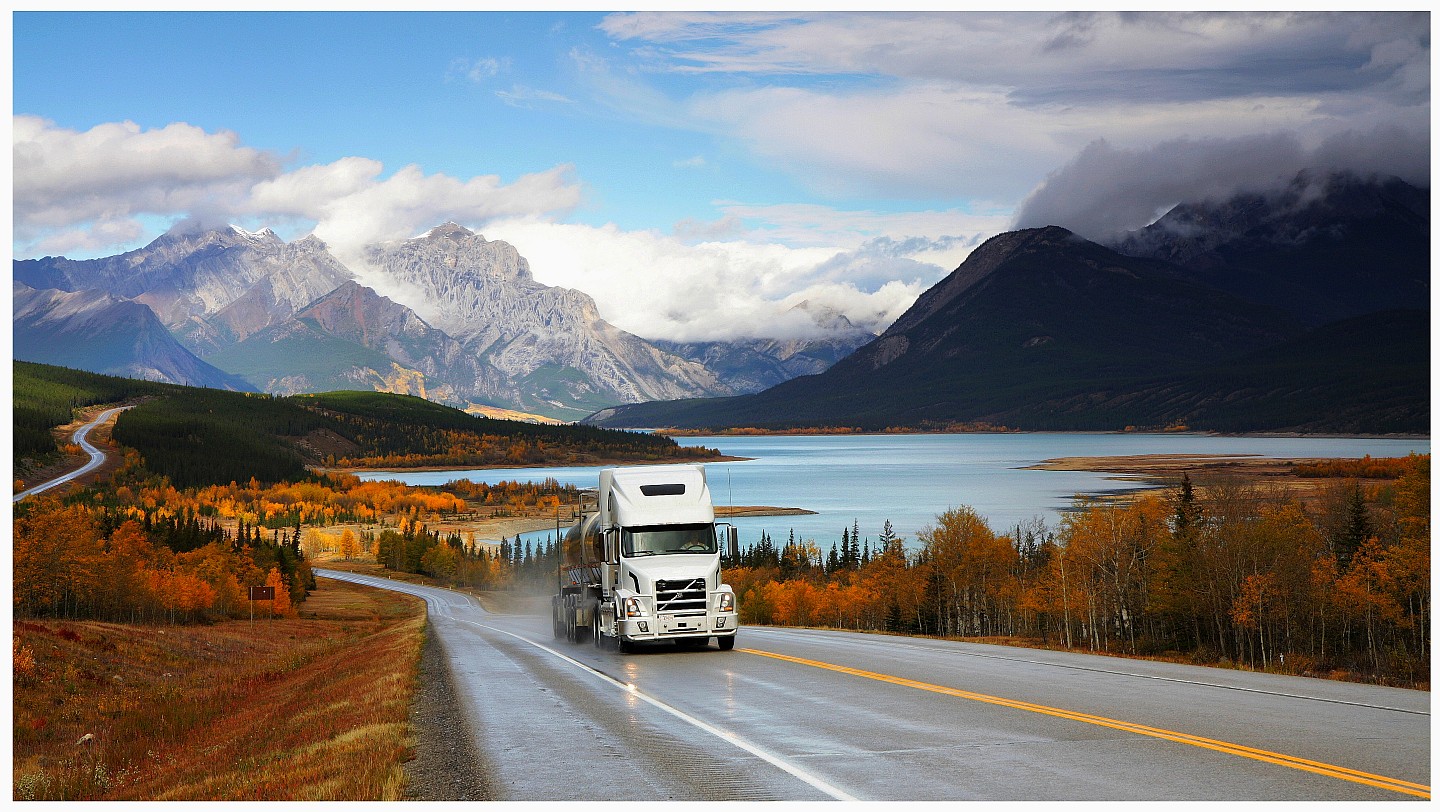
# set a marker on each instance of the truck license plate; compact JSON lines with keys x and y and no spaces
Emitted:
{"x":670,"y":623}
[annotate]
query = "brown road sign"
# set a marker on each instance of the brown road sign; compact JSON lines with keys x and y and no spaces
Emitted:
{"x":262,"y":593}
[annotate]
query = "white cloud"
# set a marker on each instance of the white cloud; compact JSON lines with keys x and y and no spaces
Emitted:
{"x":1107,"y":190}
{"x":744,"y":277}
{"x":951,"y":231}
{"x":114,"y":172}
{"x":310,"y":191}
{"x":84,"y":190}
{"x":98,"y":237}
{"x":477,"y":70}
{"x":982,"y":105}
{"x":522,"y":96}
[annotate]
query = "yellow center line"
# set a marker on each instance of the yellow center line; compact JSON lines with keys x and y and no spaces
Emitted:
{"x":1294,"y":762}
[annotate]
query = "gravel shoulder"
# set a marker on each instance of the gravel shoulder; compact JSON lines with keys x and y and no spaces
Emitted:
{"x":447,"y":765}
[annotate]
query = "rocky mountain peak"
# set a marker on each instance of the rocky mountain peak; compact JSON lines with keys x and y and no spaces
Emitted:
{"x":449,"y":230}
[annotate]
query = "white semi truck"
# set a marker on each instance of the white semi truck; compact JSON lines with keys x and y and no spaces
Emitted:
{"x":646,"y":566}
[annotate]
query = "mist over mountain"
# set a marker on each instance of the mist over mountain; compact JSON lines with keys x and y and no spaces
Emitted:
{"x":549,"y":344}
{"x":1325,"y":246}
{"x":759,"y":363}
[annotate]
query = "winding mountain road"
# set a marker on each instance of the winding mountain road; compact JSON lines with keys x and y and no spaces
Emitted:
{"x":798,"y":714}
{"x":81,"y":438}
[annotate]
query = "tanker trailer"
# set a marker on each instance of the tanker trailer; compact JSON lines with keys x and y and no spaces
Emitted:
{"x":646,"y":566}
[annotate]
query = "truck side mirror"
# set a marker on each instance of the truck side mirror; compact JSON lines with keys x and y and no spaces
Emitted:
{"x":611,"y":555}
{"x":732,"y":541}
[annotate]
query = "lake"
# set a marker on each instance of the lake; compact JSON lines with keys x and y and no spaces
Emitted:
{"x":910,"y":479}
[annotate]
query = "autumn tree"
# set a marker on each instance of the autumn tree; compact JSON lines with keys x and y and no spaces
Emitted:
{"x":970,"y":569}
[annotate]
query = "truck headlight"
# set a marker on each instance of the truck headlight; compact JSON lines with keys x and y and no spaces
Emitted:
{"x":727,"y":602}
{"x":633,"y":607}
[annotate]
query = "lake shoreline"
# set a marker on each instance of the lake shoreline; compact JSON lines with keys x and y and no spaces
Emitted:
{"x":434,"y":469}
{"x":1056,"y":464}
{"x":1009,"y":478}
{"x":1285,"y":435}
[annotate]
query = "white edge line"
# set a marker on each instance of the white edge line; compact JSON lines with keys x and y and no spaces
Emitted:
{"x":834,"y":792}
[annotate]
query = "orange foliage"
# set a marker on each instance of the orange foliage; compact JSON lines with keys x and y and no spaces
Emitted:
{"x":1248,"y":577}
{"x":64,"y":568}
{"x":1365,"y":468}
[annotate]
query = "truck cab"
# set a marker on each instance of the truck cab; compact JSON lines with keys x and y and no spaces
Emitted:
{"x":646,"y":566}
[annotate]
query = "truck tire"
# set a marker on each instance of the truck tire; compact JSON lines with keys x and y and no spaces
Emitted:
{"x":727,"y":642}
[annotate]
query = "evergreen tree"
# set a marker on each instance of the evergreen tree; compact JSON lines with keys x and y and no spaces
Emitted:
{"x":1188,"y":514}
{"x":1356,"y":529}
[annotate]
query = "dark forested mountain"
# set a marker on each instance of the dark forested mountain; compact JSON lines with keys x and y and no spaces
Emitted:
{"x":102,"y":333}
{"x":1326,"y":247}
{"x":1040,"y":329}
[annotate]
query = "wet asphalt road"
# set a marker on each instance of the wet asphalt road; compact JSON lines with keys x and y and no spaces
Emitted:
{"x":799,"y":715}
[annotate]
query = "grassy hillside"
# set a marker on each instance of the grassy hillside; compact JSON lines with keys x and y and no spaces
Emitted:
{"x":296,"y":695}
{"x":208,"y":436}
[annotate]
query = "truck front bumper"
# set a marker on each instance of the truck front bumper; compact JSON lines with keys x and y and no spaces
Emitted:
{"x":676,"y":627}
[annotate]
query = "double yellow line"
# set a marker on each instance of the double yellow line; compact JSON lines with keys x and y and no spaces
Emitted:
{"x":1293,"y":762}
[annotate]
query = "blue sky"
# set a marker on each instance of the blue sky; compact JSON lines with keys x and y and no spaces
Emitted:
{"x":730,"y":163}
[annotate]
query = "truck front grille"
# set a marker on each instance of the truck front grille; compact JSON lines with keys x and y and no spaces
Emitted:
{"x":680,"y":597}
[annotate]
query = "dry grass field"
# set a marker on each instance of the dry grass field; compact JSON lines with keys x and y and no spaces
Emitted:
{"x":308,"y":708}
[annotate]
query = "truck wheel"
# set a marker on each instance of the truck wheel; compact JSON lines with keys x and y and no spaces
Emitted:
{"x":727,"y":642}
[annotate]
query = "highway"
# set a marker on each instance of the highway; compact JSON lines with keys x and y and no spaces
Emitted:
{"x":81,"y":438}
{"x":809,"y":715}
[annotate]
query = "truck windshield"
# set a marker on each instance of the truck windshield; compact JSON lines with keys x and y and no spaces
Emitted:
{"x":669,"y":538}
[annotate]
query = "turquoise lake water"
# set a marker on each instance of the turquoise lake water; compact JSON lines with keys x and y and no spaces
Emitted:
{"x":910,"y":479}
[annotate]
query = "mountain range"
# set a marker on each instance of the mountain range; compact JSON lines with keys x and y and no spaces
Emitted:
{"x":465,"y":323}
{"x":1303,"y":310}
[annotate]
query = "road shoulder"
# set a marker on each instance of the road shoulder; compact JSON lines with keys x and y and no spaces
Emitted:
{"x":447,"y":765}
